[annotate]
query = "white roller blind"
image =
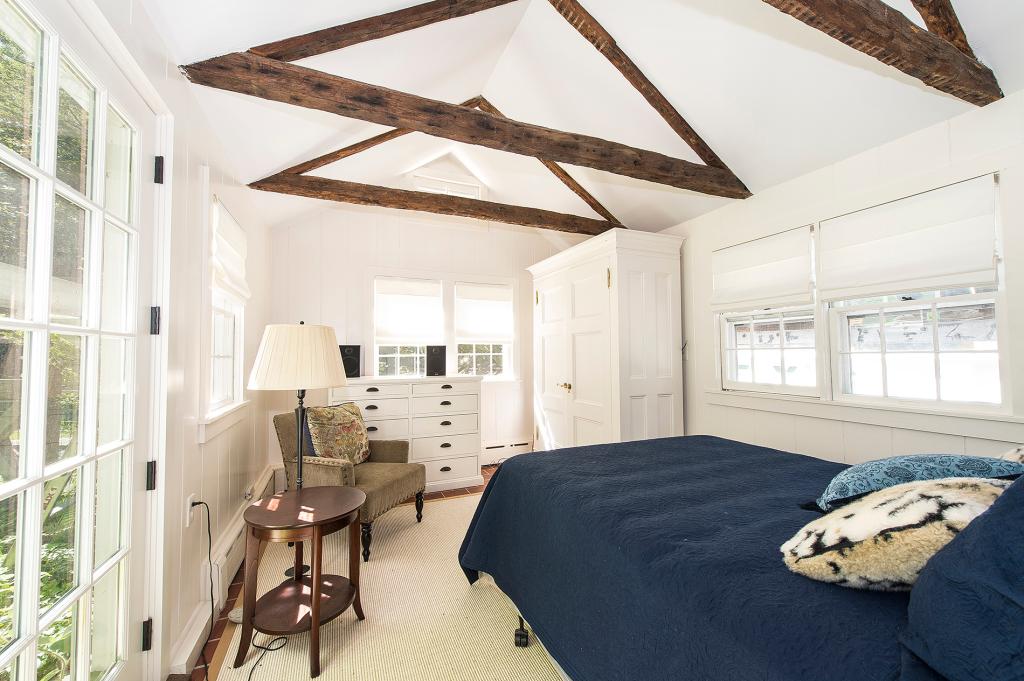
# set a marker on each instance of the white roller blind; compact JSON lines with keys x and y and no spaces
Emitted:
{"x":940,"y":239}
{"x":483,"y":313}
{"x":228,"y":252}
{"x":772,"y":271}
{"x":408,"y":311}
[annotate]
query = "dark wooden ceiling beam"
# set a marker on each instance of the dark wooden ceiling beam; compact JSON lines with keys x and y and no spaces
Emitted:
{"x":274,"y":80}
{"x":559,"y":172}
{"x":884,"y":33}
{"x":372,"y":28}
{"x":591,"y":29}
{"x":385,"y":197}
{"x":941,"y":19}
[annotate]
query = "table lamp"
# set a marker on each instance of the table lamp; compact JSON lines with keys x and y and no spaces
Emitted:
{"x":297,"y":357}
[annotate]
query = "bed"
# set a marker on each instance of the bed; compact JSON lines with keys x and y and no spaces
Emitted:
{"x":659,"y":560}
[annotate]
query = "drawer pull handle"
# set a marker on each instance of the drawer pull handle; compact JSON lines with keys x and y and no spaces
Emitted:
{"x":446,"y":403}
{"x":371,"y":429}
{"x":371,"y":407}
{"x":446,"y":387}
{"x":446,"y":423}
{"x":446,"y":445}
{"x":373,"y":390}
{"x":446,"y":469}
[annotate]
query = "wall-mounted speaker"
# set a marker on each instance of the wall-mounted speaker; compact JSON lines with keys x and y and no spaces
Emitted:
{"x":350,"y":358}
{"x":436,"y":360}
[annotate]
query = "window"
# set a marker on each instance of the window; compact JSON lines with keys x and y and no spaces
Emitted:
{"x":68,"y":250}
{"x":401,"y":360}
{"x":437,"y":185}
{"x":770,"y":351}
{"x":228,"y":294}
{"x":408,"y":315}
{"x":484,"y":329}
{"x":935,"y":347}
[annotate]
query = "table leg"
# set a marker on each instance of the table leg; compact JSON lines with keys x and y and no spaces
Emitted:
{"x":316,"y":557}
{"x":298,"y":561}
{"x":252,"y":561}
{"x":353,"y":565}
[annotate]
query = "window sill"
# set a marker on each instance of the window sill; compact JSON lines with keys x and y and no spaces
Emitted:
{"x":220,"y":420}
{"x":984,"y":425}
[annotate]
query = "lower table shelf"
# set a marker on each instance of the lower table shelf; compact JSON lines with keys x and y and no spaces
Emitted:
{"x":285,"y":609}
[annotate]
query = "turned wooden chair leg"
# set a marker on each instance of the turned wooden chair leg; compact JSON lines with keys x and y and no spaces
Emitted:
{"x":419,"y":506}
{"x":367,"y":537}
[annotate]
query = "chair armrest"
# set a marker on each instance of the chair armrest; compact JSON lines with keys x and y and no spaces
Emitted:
{"x":389,"y":451}
{"x":318,"y":471}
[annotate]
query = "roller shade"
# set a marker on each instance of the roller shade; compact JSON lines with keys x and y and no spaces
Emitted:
{"x":773,"y":271}
{"x":483,"y":313}
{"x":228,"y":252}
{"x":943,"y":238}
{"x":408,"y":311}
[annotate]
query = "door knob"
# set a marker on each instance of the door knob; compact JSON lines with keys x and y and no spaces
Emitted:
{"x":567,"y":386}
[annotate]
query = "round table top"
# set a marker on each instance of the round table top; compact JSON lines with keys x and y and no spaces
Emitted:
{"x":304,"y":508}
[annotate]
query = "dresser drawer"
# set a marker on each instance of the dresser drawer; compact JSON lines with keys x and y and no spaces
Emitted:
{"x":394,"y":429}
{"x":369,"y":390}
{"x":452,"y":469}
{"x":444,"y":404}
{"x":455,"y":424}
{"x":442,"y":388}
{"x":374,"y":410}
{"x":427,"y":448}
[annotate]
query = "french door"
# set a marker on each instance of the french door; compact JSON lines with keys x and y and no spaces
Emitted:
{"x":75,"y":243}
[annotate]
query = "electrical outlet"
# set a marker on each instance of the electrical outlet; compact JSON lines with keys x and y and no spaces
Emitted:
{"x":189,"y":509}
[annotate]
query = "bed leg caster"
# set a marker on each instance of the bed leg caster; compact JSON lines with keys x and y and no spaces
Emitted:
{"x":522,"y":635}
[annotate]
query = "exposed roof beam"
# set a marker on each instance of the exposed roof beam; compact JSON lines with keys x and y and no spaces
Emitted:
{"x":372,"y":28}
{"x":403,"y":199}
{"x":592,"y":30}
{"x":941,"y":19}
{"x":353,"y":149}
{"x":292,"y":84}
{"x":560,"y":172}
{"x":878,"y":30}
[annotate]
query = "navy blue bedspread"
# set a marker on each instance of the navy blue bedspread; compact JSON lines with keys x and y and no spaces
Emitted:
{"x":660,"y":560}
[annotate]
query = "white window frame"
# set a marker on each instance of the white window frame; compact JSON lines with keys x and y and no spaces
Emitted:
{"x":421,"y":358}
{"x":224,"y":302}
{"x":506,"y":353}
{"x":436,"y":184}
{"x":837,"y":314}
{"x":724,"y":319}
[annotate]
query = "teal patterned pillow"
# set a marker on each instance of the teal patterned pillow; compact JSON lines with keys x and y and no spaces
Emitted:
{"x":872,"y":476}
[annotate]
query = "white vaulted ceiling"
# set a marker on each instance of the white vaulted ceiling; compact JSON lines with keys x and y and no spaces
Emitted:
{"x":772,"y":96}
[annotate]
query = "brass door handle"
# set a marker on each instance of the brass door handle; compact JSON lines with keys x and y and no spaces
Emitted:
{"x":567,"y":386}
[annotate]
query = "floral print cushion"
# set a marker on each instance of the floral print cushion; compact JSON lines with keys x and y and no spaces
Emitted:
{"x":339,"y":432}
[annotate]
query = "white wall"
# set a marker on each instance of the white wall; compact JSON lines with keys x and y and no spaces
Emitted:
{"x":978,"y":142}
{"x":323,"y":269}
{"x":234,"y":458}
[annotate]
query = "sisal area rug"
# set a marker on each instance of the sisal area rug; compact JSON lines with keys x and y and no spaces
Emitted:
{"x":424,"y":622}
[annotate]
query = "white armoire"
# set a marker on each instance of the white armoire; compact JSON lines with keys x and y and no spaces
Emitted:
{"x":608,"y":341}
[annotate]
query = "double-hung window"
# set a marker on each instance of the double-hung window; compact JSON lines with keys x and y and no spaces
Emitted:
{"x":228,"y":295}
{"x":763,"y":291}
{"x":484,"y":329}
{"x":408,"y":315}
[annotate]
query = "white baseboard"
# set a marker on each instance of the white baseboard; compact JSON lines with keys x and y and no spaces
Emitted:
{"x":228,"y":554}
{"x":455,"y":484}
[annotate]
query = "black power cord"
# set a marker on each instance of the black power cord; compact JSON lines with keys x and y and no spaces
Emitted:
{"x":274,"y":644}
{"x":213,"y":604}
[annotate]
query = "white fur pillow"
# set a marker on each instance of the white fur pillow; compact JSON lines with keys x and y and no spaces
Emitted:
{"x":882,"y":540}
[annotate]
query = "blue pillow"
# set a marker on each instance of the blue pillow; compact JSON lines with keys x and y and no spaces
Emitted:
{"x":966,"y":614}
{"x":864,"y":478}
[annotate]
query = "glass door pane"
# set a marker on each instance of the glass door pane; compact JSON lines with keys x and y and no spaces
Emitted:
{"x":74,"y":128}
{"x":57,"y":566}
{"x":8,"y":571}
{"x":15,"y":234}
{"x":63,"y":403}
{"x":21,"y":51}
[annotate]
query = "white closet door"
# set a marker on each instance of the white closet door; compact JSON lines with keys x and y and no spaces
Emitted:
{"x":590,"y":391}
{"x":551,"y":374}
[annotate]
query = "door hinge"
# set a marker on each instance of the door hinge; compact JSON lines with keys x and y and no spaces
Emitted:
{"x":154,"y":321}
{"x":158,"y":170}
{"x":147,"y":635}
{"x":609,"y":277}
{"x":150,"y":476}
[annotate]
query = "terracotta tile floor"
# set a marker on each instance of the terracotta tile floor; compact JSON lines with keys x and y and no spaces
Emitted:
{"x":212,"y":657}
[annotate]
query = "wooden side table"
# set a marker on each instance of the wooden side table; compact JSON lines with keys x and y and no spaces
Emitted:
{"x":300,"y":603}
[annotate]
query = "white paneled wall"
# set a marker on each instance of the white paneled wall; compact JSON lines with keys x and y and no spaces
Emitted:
{"x":323,"y":270}
{"x":982,"y":141}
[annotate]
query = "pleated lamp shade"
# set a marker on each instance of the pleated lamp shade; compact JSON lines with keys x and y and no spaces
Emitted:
{"x":297,"y":357}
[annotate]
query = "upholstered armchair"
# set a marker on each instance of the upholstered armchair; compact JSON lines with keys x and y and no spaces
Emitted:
{"x":387,"y":478}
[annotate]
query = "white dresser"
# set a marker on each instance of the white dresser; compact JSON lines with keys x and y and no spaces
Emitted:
{"x":438,"y":415}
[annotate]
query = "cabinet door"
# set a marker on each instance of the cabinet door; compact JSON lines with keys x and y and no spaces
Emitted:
{"x":551,"y":363}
